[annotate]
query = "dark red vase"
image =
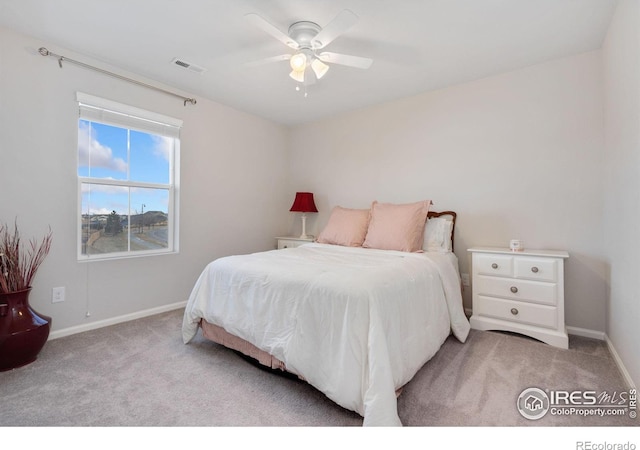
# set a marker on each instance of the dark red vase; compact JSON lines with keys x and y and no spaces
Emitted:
{"x":23,"y":332}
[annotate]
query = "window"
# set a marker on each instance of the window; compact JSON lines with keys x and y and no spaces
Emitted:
{"x":127,"y":180}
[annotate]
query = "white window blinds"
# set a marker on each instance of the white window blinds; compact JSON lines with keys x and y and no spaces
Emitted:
{"x":97,"y":109}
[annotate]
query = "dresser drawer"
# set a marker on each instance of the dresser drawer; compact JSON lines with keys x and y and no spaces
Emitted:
{"x":535,"y":268}
{"x":288,"y":243}
{"x":292,"y":242}
{"x":514,"y":311}
{"x":517,"y":289}
{"x":498,"y":265}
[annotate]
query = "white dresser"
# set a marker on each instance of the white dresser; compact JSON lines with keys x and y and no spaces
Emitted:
{"x":291,"y":242}
{"x":522,"y":292}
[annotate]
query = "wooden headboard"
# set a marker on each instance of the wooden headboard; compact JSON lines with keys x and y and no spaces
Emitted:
{"x":452,"y":215}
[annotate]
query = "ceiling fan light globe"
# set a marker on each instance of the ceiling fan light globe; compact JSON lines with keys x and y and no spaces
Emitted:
{"x":297,"y":75}
{"x":319,"y":68}
{"x":298,"y":62}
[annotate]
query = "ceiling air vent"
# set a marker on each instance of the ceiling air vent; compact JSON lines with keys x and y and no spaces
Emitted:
{"x":187,"y":65}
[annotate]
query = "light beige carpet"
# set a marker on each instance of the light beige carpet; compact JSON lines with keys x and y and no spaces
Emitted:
{"x":141,"y":374}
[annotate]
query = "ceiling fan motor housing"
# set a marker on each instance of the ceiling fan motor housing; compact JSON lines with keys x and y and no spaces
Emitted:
{"x":303,"y":33}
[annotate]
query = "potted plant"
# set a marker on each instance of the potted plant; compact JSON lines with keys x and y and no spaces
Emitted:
{"x":23,"y":332}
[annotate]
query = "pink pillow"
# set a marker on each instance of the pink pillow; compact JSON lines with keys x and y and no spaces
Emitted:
{"x":346,"y":227}
{"x":397,"y":227}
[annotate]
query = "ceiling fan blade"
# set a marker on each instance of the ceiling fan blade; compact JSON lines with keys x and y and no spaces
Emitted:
{"x":260,"y":62}
{"x":345,"y":60}
{"x":341,"y":23}
{"x":265,"y":26}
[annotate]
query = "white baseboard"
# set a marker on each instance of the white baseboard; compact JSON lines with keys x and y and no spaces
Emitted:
{"x":584,"y":332}
{"x":115,"y":320}
{"x":623,"y":370}
{"x":602,"y":336}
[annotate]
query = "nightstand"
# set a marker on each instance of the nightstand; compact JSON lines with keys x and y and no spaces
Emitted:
{"x":291,"y":242}
{"x":522,"y":292}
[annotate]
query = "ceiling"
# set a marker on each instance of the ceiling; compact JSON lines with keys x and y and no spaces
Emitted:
{"x":416,"y":45}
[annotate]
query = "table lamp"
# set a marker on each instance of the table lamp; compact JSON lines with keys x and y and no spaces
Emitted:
{"x":304,"y":203}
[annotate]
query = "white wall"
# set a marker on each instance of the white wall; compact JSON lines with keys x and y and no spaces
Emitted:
{"x":516,"y":155}
{"x":622,"y":182}
{"x":233,"y":195}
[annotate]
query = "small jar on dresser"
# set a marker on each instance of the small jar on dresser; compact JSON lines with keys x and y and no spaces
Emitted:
{"x":291,"y":241}
{"x":521,"y":292}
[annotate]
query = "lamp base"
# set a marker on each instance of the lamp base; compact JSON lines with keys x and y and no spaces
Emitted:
{"x":304,"y":227}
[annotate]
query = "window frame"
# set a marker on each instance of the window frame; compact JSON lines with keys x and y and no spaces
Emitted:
{"x":139,"y":117}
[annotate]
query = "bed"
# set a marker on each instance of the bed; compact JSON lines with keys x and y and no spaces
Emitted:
{"x":354,"y":321}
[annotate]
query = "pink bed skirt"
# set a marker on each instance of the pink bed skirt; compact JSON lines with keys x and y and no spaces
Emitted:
{"x":221,"y":336}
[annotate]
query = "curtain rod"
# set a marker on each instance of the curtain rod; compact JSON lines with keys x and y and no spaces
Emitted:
{"x":44,"y":52}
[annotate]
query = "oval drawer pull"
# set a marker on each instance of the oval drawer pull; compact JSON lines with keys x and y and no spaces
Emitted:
{"x":534,"y":269}
{"x":494,"y":266}
{"x":514,"y":289}
{"x":514,"y":311}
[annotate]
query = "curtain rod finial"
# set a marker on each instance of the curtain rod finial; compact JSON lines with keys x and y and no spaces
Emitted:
{"x":43,"y":51}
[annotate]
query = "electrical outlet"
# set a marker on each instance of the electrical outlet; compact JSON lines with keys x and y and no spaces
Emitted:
{"x":465,"y":279}
{"x":57,"y":294}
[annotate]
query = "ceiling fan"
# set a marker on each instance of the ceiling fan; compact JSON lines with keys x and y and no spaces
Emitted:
{"x":308,"y":63}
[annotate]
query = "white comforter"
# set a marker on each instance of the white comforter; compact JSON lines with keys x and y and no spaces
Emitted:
{"x":355,"y":323}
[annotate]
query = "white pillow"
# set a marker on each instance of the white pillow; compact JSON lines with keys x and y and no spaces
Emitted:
{"x":437,"y":235}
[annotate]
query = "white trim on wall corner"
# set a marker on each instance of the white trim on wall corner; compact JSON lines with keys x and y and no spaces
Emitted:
{"x":620,"y":364}
{"x":115,"y":320}
{"x":584,"y":332}
{"x":602,"y":336}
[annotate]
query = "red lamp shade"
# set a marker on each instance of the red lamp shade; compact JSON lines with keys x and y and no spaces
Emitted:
{"x":304,"y":203}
